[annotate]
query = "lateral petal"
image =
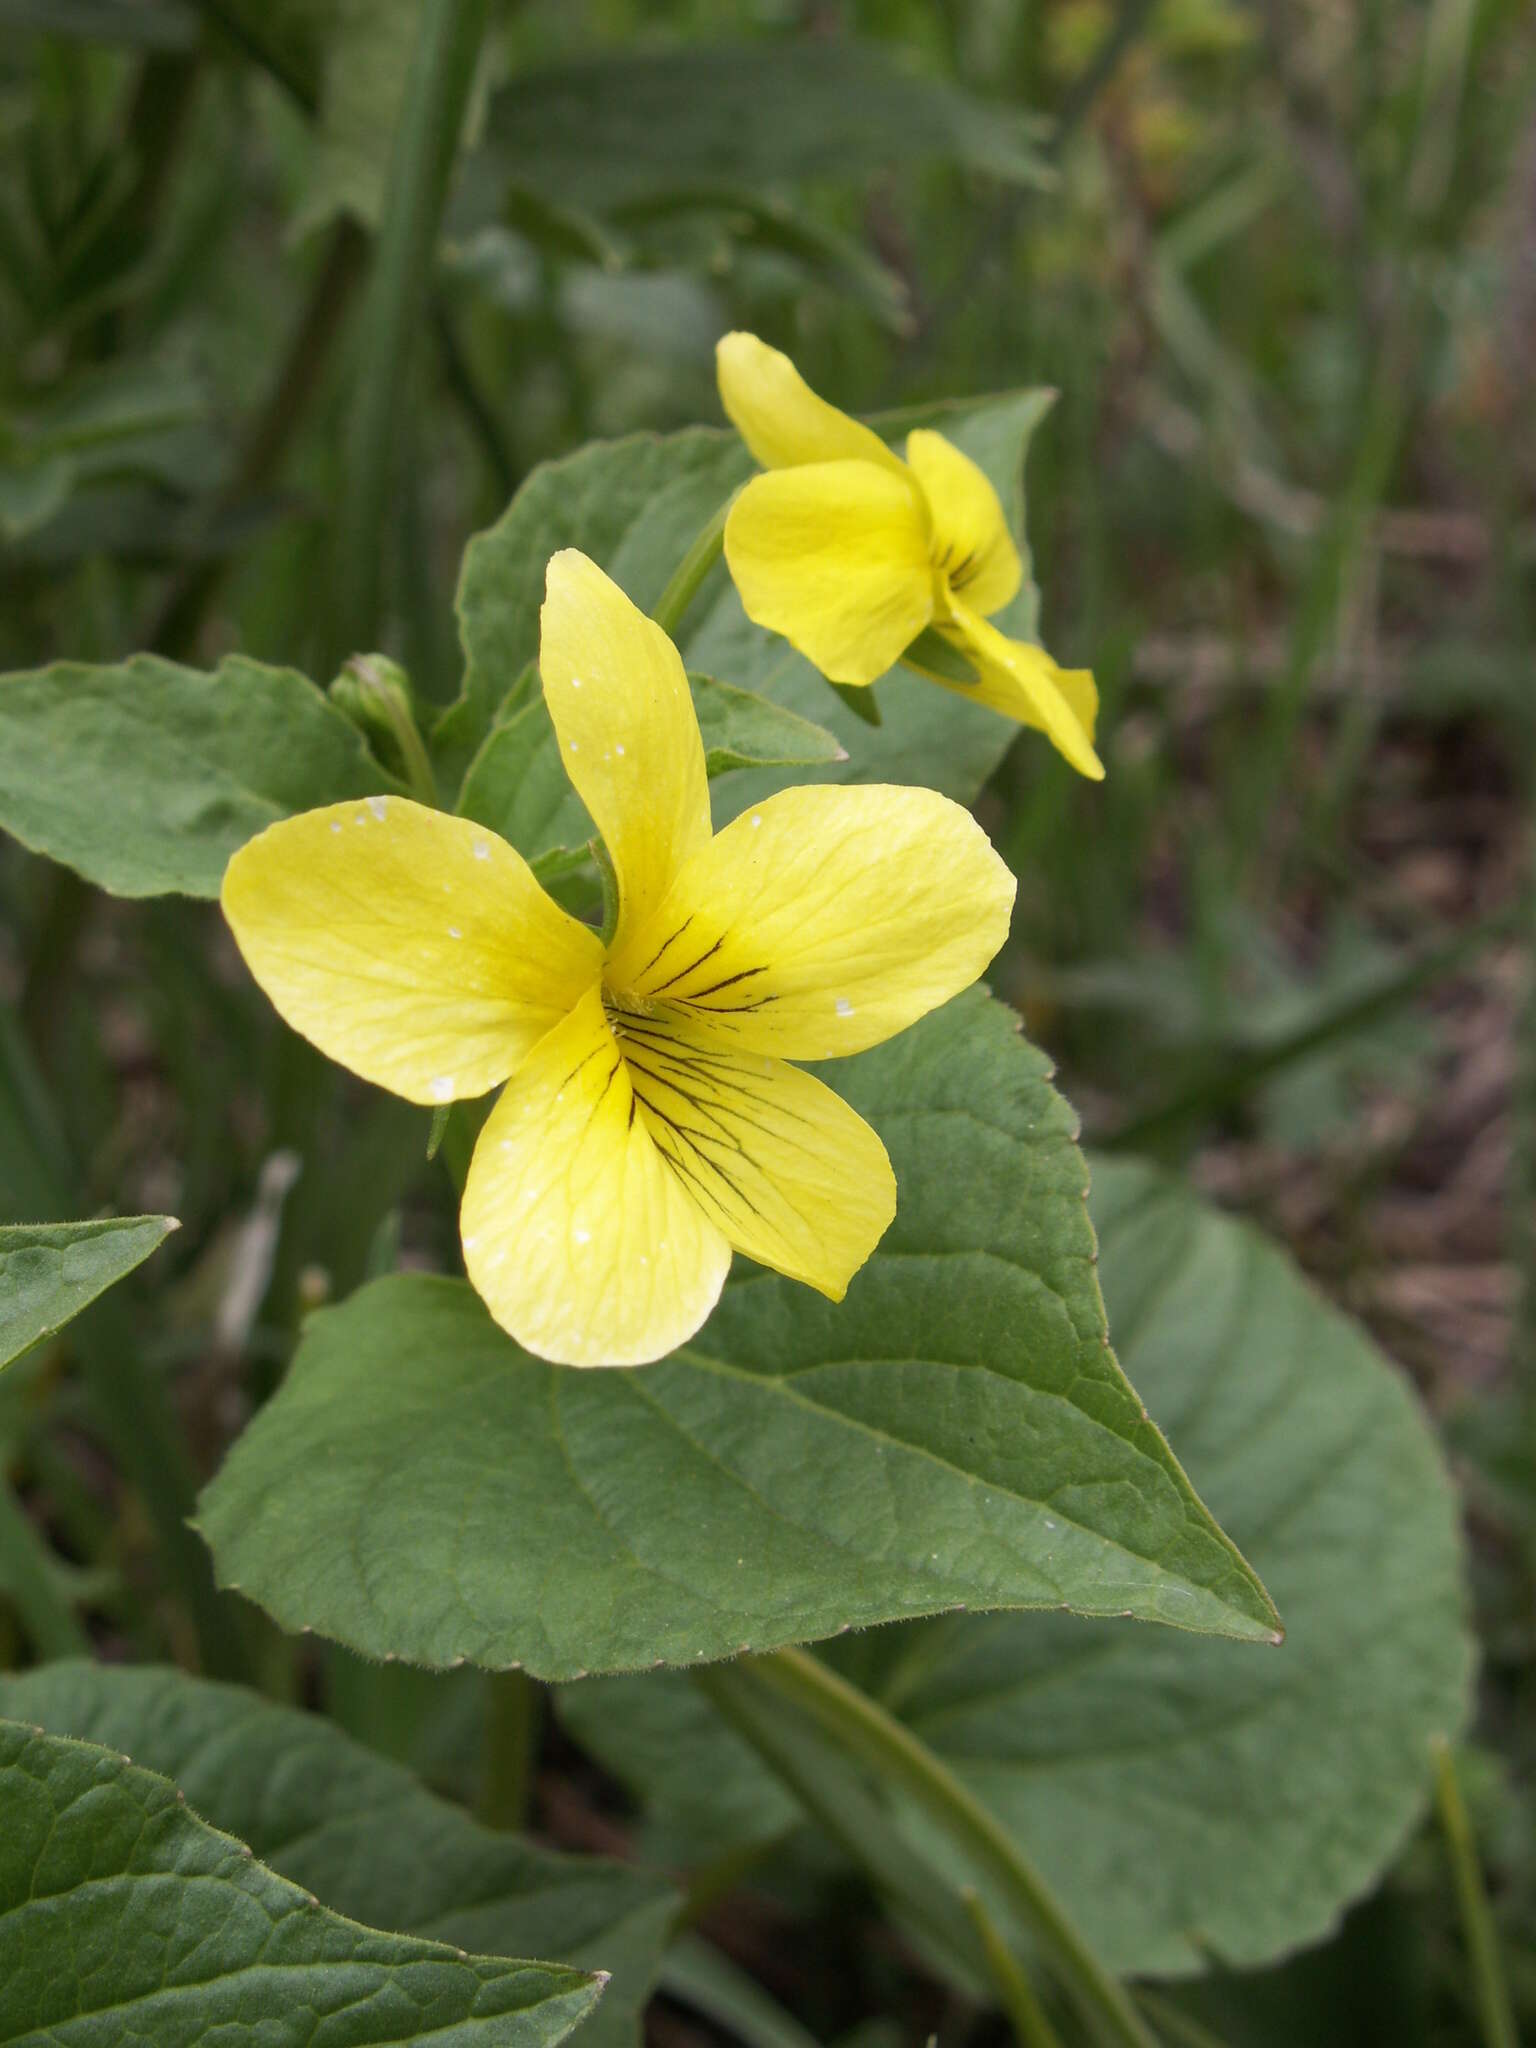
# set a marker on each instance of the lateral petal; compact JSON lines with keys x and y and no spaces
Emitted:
{"x":1021,"y":681}
{"x":834,"y":556}
{"x":629,"y":737}
{"x":826,"y":920}
{"x":414,"y":948}
{"x":780,"y":417}
{"x":786,"y":1170}
{"x":581,"y":1240}
{"x":973,"y":548}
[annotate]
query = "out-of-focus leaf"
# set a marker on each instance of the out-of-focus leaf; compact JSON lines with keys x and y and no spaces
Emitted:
{"x":956,"y":1432}
{"x":608,"y":131}
{"x":125,"y":1917}
{"x":145,"y":777}
{"x":142,"y":24}
{"x":359,"y":1831}
{"x":50,"y":1271}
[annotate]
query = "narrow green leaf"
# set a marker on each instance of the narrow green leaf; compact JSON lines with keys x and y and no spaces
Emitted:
{"x":145,"y":777}
{"x":360,"y":1832}
{"x":123,"y":1916}
{"x":741,"y":730}
{"x":955,"y":1433}
{"x":142,"y":24}
{"x":50,"y":1271}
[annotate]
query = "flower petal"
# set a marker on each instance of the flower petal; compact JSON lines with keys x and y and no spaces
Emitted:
{"x":414,"y":948}
{"x":629,"y":737}
{"x":792,"y":1176}
{"x":826,"y":920}
{"x":1021,"y":681}
{"x":835,"y":557}
{"x":578,"y":1236}
{"x":780,"y":417}
{"x":972,"y":545}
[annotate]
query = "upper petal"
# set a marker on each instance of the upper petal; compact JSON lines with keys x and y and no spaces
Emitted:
{"x":827,"y":919}
{"x":835,"y":557}
{"x":780,"y":417}
{"x":629,"y":738}
{"x":972,"y":545}
{"x":1021,"y":681}
{"x":579,"y":1237}
{"x":792,"y":1176}
{"x":414,"y":948}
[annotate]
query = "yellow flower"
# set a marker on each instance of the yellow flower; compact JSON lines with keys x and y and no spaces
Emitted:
{"x":851,"y":553}
{"x":650,"y":1123}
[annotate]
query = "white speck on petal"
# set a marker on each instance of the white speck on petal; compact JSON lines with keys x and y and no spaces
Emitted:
{"x":442,"y":1088}
{"x":618,"y":746}
{"x":582,"y":1236}
{"x":454,"y":932}
{"x":644,"y":1260}
{"x":482,"y":850}
{"x":335,"y":824}
{"x":470,"y":1243}
{"x":575,"y":746}
{"x":756,"y":820}
{"x":379,"y":805}
{"x":360,"y":818}
{"x":844,"y":1007}
{"x":575,"y":682}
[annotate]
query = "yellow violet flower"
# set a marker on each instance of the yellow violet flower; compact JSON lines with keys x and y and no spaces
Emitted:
{"x":851,"y":553}
{"x":650,"y":1122}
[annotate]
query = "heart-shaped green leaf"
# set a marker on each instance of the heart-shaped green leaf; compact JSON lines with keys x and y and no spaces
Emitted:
{"x":50,"y":1271}
{"x":956,"y":1433}
{"x":359,"y":1832}
{"x":145,"y":777}
{"x":1265,"y":1792}
{"x":125,"y":1917}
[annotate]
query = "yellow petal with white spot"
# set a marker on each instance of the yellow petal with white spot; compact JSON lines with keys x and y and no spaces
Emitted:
{"x":414,"y":948}
{"x":579,"y":1237}
{"x":972,"y":547}
{"x":780,"y":417}
{"x":1021,"y":681}
{"x":791,"y":1175}
{"x":629,"y":736}
{"x":835,"y":557}
{"x":825,"y":920}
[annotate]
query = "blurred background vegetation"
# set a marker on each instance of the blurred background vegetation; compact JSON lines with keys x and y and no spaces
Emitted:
{"x":1278,"y":258}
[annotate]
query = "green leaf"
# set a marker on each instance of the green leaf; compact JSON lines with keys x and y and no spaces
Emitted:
{"x":145,"y":777}
{"x":741,"y":730}
{"x":635,"y":506}
{"x":517,"y":782}
{"x":607,"y":132}
{"x":123,"y":1916}
{"x":956,"y":1432}
{"x":359,"y":1832}
{"x":147,"y":24}
{"x":1265,"y":1792}
{"x":50,"y":1271}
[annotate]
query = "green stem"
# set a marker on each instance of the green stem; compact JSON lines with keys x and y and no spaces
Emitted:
{"x":514,"y":1710}
{"x":690,"y":573}
{"x":26,"y":1575}
{"x":1025,"y":2013}
{"x":870,"y":1735}
{"x":421,"y":161}
{"x":1488,"y":1985}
